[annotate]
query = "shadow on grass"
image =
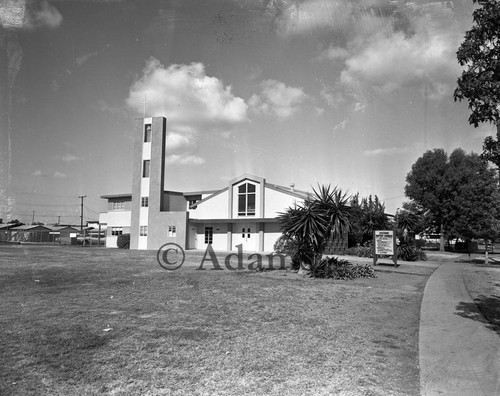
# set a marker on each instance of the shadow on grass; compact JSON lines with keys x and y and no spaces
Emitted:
{"x":484,"y":309}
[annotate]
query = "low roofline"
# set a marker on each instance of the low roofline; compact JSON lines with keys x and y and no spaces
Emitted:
{"x":200,"y":192}
{"x":234,"y":221}
{"x":28,"y":227}
{"x":110,"y":196}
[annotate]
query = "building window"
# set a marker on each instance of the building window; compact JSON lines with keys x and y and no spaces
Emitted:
{"x":116,"y":230}
{"x":209,"y":235}
{"x":143,"y":231}
{"x":144,"y":202}
{"x":147,"y":133}
{"x":172,"y":231}
{"x":246,"y":199}
{"x":145,"y":168}
{"x":118,"y":205}
{"x":192,"y":203}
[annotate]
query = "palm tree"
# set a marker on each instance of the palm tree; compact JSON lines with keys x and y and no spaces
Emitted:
{"x":322,"y":216}
{"x":406,"y":221}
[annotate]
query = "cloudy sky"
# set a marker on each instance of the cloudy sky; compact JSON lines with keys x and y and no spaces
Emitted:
{"x":340,"y":92}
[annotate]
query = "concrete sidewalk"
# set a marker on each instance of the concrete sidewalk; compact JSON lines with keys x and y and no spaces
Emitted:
{"x":458,"y":355}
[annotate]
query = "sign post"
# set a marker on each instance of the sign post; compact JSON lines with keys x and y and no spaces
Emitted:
{"x":384,"y":244}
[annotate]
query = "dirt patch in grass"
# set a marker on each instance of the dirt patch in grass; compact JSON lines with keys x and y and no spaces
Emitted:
{"x":96,"y":321}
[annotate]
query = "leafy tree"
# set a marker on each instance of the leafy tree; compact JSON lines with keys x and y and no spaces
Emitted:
{"x":412,"y":219}
{"x":15,"y":222}
{"x":312,"y":224}
{"x":368,"y":214}
{"x":426,"y":185}
{"x":473,"y":207}
{"x":480,"y":81}
{"x":459,"y":192}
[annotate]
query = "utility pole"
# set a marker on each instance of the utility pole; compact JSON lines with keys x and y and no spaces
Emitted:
{"x":426,"y":95}
{"x":58,"y":220}
{"x":81,"y":211}
{"x":33,"y":217}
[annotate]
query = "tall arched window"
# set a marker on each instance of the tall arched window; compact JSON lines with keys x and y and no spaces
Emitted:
{"x":246,"y":199}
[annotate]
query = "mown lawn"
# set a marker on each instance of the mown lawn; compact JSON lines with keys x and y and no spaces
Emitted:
{"x":81,"y":321}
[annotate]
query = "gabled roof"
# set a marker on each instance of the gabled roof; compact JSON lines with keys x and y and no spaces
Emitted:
{"x":59,"y":228}
{"x":288,"y":190}
{"x":247,"y":176}
{"x":28,"y":227}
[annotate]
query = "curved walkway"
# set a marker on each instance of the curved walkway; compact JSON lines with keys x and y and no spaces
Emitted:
{"x":458,"y":355}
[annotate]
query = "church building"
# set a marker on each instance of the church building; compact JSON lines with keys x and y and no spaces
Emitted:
{"x":242,"y":212}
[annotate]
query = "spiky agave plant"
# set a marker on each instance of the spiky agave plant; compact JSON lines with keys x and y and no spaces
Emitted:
{"x":323,"y":215}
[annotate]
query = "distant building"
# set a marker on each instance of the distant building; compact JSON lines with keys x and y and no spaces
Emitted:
{"x":62,"y":234}
{"x":30,"y":233}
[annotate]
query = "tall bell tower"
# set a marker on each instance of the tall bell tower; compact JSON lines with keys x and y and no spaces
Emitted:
{"x":148,"y":178}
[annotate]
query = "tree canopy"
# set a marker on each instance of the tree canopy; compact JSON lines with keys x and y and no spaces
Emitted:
{"x":479,"y":83}
{"x":425,"y":184}
{"x":367,"y":215}
{"x":459,"y":193}
{"x":479,"y":53}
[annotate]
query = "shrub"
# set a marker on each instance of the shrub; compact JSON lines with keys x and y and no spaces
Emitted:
{"x":360,"y":251}
{"x":408,"y":252}
{"x":123,"y":241}
{"x":332,"y":267}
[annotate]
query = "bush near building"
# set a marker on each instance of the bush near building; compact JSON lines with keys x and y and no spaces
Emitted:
{"x":123,"y":241}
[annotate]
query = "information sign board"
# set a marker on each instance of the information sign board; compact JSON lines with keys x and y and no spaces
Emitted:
{"x":384,"y":243}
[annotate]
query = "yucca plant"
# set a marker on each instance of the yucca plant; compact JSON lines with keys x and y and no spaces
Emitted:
{"x":323,"y":215}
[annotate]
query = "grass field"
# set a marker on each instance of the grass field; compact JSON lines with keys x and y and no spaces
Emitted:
{"x":80,"y":321}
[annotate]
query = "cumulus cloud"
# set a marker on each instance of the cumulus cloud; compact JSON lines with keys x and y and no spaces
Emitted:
{"x":385,"y":151}
{"x":184,"y":160}
{"x":177,"y":141}
{"x":278,"y":99}
{"x":333,"y":96}
{"x":56,"y":175}
{"x":391,"y":61}
{"x":191,"y":101}
{"x":298,"y":17}
{"x":383,"y":44}
{"x":334,"y":53}
{"x":59,"y":175}
{"x":69,"y":157}
{"x":186,"y":96}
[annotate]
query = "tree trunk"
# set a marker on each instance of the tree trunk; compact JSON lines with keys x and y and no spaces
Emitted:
{"x":441,"y":238}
